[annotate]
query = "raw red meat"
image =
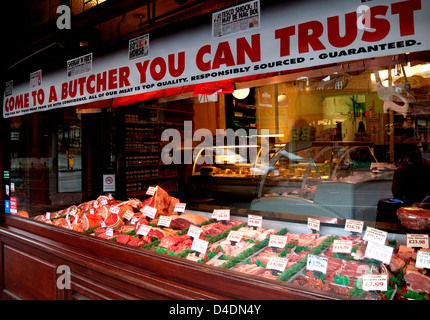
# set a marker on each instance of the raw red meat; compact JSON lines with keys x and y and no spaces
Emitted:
{"x":416,"y":280}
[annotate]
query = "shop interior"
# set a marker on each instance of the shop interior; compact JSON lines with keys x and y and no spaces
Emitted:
{"x":329,"y":140}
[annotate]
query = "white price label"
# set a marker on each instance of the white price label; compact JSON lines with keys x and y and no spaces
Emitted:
{"x":48,"y":215}
{"x":102,"y":224}
{"x":316,"y":263}
{"x":91,"y":211}
{"x":150,"y":212}
{"x":134,"y":220}
{"x":164,"y":221}
{"x":314,"y":224}
{"x":379,"y":252}
{"x":354,"y":225}
{"x":114,"y":209}
{"x":128,"y":214}
{"x":194,"y":232}
{"x":151,"y":191}
{"x":235,"y":236}
{"x":221,"y":214}
{"x":144,"y":230}
{"x":423,"y":259}
{"x":255,"y":221}
{"x":277,"y":263}
{"x":417,"y":240}
{"x":277,"y":241}
{"x":109,"y":232}
{"x":199,"y":245}
{"x":375,"y":235}
{"x":342,"y":246}
{"x":375,"y":282}
{"x":180,"y":207}
{"x":103,"y":202}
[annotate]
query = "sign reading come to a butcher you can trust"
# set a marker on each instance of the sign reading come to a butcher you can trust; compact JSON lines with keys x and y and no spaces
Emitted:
{"x":247,"y":39}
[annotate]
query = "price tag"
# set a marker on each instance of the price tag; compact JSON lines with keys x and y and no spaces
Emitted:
{"x":375,"y":235}
{"x":91,"y":211}
{"x":316,"y":263}
{"x":144,"y":230}
{"x":128,"y":214}
{"x":164,"y":221}
{"x":342,"y":246}
{"x":103,"y":202}
{"x":102,"y":224}
{"x":255,"y":221}
{"x":109,"y":232}
{"x":354,"y":226}
{"x":379,"y":252}
{"x":221,"y":214}
{"x":423,"y":259}
{"x":151,"y":191}
{"x":277,"y":241}
{"x":277,"y":263}
{"x":313,"y":224}
{"x":235,"y":236}
{"x":150,"y":212}
{"x":134,"y":220}
{"x":417,"y":240}
{"x":199,"y":245}
{"x":194,"y":232}
{"x":48,"y":215}
{"x":180,"y":207}
{"x":375,"y":282}
{"x":95,"y":204}
{"x":114,"y":209}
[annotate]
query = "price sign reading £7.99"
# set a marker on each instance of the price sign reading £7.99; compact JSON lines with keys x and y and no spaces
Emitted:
{"x":375,"y":282}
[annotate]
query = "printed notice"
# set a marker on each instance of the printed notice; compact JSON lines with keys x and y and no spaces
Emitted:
{"x":36,"y":79}
{"x":80,"y":65}
{"x":236,"y":19}
{"x":138,"y":47}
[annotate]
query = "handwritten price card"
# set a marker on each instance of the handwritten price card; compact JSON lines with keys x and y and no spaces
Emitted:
{"x":255,"y":221}
{"x":194,"y":232}
{"x":423,"y":259}
{"x":277,"y":241}
{"x":417,"y":240}
{"x":277,"y":263}
{"x":151,"y":191}
{"x":235,"y":236}
{"x":114,"y":209}
{"x":221,"y":214}
{"x":375,"y":282}
{"x":144,"y":230}
{"x":199,"y":245}
{"x":342,"y":246}
{"x":180,"y":207}
{"x":314,"y":224}
{"x":354,"y":226}
{"x":164,"y":221}
{"x":316,"y":263}
{"x":128,"y":214}
{"x":150,"y":212}
{"x":379,"y":252}
{"x":375,"y":235}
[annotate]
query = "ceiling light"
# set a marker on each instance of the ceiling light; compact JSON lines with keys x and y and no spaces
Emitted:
{"x":241,"y":93}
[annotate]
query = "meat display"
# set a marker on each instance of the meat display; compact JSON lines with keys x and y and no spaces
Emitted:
{"x":249,"y":253}
{"x":163,"y":202}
